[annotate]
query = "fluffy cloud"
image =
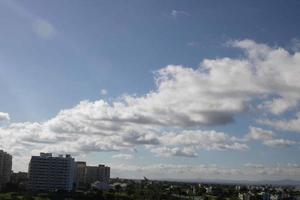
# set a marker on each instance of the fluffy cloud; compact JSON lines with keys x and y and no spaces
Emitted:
{"x":103,"y":92}
{"x":292,"y":125}
{"x":260,"y":134}
{"x":167,"y":120}
{"x":197,"y":139}
{"x":210,"y":95}
{"x":175,"y":151}
{"x":279,"y":105}
{"x":4,"y":116}
{"x":123,"y":156}
{"x":279,"y":142}
{"x":268,"y":138}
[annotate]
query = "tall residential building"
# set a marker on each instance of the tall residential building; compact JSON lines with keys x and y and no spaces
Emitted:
{"x":5,"y":167}
{"x":48,"y":173}
{"x":85,"y":175}
{"x":106,"y":174}
{"x":80,"y":174}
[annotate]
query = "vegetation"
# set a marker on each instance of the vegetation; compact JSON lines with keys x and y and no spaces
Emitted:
{"x":153,"y":190}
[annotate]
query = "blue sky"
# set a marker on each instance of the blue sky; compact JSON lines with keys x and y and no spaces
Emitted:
{"x":135,"y":112}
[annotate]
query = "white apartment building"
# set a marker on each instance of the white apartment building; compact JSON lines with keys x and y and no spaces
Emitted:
{"x":48,"y":173}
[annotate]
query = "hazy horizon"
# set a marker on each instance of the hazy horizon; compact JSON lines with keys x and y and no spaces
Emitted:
{"x":163,"y":89}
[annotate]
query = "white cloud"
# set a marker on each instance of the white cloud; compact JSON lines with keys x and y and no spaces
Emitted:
{"x":175,"y":151}
{"x":201,"y":172}
{"x":253,"y":165}
{"x":183,"y":100}
{"x":295,"y":44}
{"x":268,"y":138}
{"x":260,"y":134}
{"x":123,"y":156}
{"x":279,"y":142}
{"x":207,"y":140}
{"x":292,"y":125}
{"x":176,"y":13}
{"x":187,"y":143}
{"x":103,"y":92}
{"x":279,"y":105}
{"x":43,"y":29}
{"x":4,"y":116}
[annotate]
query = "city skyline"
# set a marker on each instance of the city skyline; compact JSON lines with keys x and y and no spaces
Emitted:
{"x":173,"y":89}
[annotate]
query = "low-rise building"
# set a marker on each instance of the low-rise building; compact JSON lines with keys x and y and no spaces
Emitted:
{"x":19,"y":177}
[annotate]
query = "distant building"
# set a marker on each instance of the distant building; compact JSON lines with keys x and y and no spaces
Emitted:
{"x":100,"y":186}
{"x":106,"y":174}
{"x":265,"y":196}
{"x":5,"y":168}
{"x":20,"y":180}
{"x":97,"y":173}
{"x":80,"y":175}
{"x":208,"y":190}
{"x":86,"y":175}
{"x":48,"y":173}
{"x":19,"y":177}
{"x":245,"y":196}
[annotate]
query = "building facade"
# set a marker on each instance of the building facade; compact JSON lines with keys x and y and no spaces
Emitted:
{"x":86,"y":175}
{"x":80,"y":175}
{"x":98,"y":173}
{"x":106,"y":174}
{"x":48,"y":173}
{"x":5,"y":168}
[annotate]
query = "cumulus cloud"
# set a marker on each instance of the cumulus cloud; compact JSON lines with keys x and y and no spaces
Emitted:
{"x":207,"y":140}
{"x":4,"y":116}
{"x":168,"y":119}
{"x":123,"y":156}
{"x":260,"y":134}
{"x":187,"y":143}
{"x":279,"y":142}
{"x":43,"y":28}
{"x":268,"y":138}
{"x":175,"y":151}
{"x":210,"y":95}
{"x":103,"y":92}
{"x":292,"y":125}
{"x":279,"y":105}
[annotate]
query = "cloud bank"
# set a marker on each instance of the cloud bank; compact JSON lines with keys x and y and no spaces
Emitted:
{"x":4,"y":116}
{"x":169,"y":120}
